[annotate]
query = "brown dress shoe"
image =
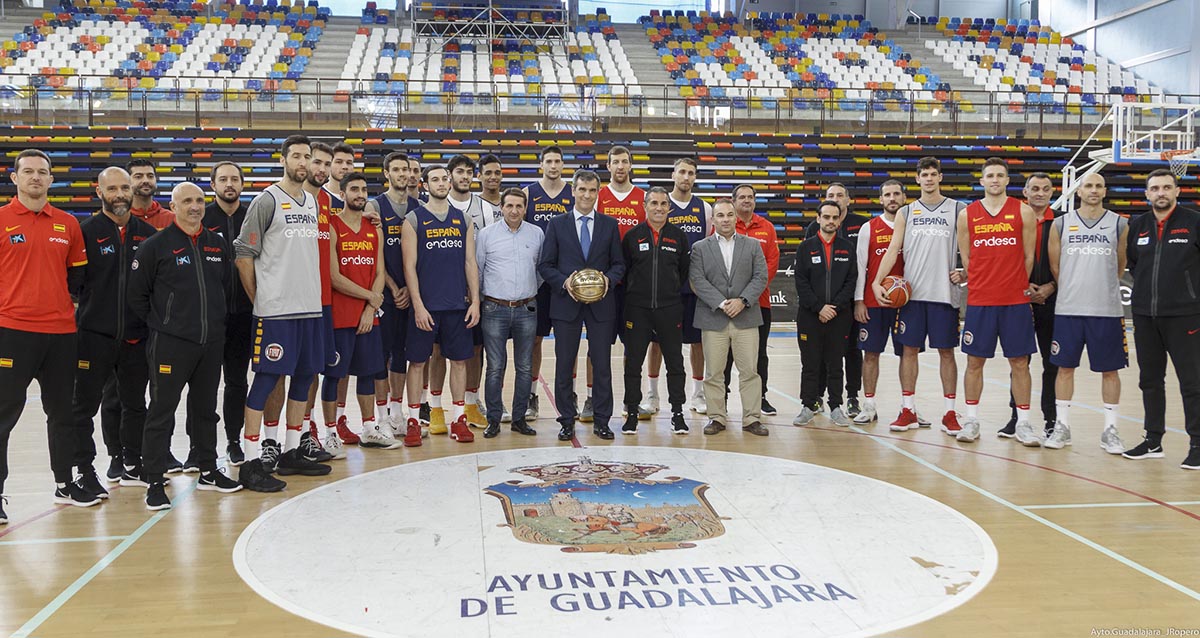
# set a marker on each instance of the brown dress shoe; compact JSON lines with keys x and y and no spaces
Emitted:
{"x":757,"y":429}
{"x":714,"y":427}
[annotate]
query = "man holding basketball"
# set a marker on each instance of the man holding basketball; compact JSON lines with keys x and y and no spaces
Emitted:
{"x":876,"y":321}
{"x":996,"y":239}
{"x":925,"y":234}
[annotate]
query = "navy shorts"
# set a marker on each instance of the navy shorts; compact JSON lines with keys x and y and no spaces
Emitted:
{"x":290,"y":347}
{"x":873,"y":335}
{"x":477,"y":334}
{"x":921,"y":320}
{"x":1011,"y":325}
{"x":543,"y":311}
{"x":1104,"y":336}
{"x":449,"y":329}
{"x":393,"y":329}
{"x":358,"y":355}
{"x":330,"y":346}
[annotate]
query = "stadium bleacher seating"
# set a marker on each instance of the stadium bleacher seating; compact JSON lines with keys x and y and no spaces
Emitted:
{"x":119,"y":48}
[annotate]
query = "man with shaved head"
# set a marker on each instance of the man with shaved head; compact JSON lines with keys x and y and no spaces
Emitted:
{"x":112,"y":339}
{"x":177,"y":286}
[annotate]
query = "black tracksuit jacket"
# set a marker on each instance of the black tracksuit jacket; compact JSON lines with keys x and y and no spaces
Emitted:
{"x":178,"y":284}
{"x":655,"y":272}
{"x":1166,"y":270}
{"x":103,"y":305}
{"x":820,"y":281}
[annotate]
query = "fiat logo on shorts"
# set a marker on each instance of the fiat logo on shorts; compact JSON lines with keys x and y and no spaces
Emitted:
{"x":968,"y":338}
{"x":862,"y":334}
{"x":274,"y":352}
{"x":1053,"y":347}
{"x":902,"y":327}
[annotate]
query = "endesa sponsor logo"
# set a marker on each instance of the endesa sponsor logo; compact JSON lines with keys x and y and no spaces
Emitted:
{"x":60,"y":240}
{"x":994,"y":241}
{"x":358,"y":260}
{"x":1089,"y":250}
{"x":304,"y":233}
{"x":444,"y":243}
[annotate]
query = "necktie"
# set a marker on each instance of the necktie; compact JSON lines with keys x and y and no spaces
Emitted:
{"x":585,"y":237}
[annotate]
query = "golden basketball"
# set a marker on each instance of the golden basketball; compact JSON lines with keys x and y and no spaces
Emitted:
{"x":587,"y":285}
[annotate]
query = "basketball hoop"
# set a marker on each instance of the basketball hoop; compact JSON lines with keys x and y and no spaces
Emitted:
{"x":1179,"y":160}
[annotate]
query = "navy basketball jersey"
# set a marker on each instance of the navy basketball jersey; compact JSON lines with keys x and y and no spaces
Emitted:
{"x":441,"y":259}
{"x":542,"y":207}
{"x":391,"y":225}
{"x":692,"y":218}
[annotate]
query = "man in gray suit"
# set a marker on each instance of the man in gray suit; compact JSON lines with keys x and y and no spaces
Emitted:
{"x":728,"y":270}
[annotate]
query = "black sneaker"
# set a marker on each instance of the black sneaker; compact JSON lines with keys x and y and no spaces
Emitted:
{"x":234,"y":453}
{"x":291,"y":462}
{"x":131,"y":476}
{"x":72,"y":494}
{"x":253,"y":477}
{"x":115,"y":469}
{"x":173,"y":464}
{"x":215,"y":481}
{"x":852,"y":409}
{"x":631,"y":422}
{"x":678,"y":425}
{"x":767,"y":408}
{"x":1192,"y":462}
{"x":1145,"y":450}
{"x":311,"y":450}
{"x":1049,"y":428}
{"x":156,"y":497}
{"x":1009,"y":431}
{"x":270,"y":455}
{"x":3,"y":516}
{"x":90,"y":483}
{"x":190,"y":466}
{"x":423,"y":414}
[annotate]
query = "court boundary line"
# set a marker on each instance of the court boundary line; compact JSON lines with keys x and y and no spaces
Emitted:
{"x":1128,"y":562}
{"x":1073,"y":506}
{"x":52,"y":541}
{"x":75,"y":587}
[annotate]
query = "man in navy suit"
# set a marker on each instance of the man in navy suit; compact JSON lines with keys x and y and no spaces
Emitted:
{"x":582,"y":239}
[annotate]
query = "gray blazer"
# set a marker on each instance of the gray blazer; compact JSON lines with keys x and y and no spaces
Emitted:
{"x":713,"y":285}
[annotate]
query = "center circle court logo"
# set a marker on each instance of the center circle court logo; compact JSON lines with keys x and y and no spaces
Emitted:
{"x":505,"y":544}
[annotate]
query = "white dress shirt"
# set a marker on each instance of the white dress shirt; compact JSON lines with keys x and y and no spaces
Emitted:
{"x":726,"y":246}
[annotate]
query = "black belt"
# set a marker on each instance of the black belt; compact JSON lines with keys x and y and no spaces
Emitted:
{"x":509,"y":304}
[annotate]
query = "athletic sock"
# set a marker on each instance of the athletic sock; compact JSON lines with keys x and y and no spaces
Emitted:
{"x":435,"y":400}
{"x":368,"y":425}
{"x":414,"y":411}
{"x":1023,"y":413}
{"x":697,"y":385}
{"x":472,"y":396}
{"x":1111,"y":414}
{"x":330,"y":428}
{"x":424,"y":392}
{"x":291,"y":439}
{"x":949,"y":401}
{"x":456,"y":410}
{"x":1062,"y":410}
{"x":341,"y":411}
{"x":589,"y":394}
{"x":396,"y":408}
{"x":652,"y":386}
{"x":908,"y":401}
{"x":307,"y":419}
{"x":972,"y":409}
{"x":250,"y":446}
{"x":271,"y":430}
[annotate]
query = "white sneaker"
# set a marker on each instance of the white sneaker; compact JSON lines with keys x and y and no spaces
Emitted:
{"x":969,"y":432}
{"x":395,"y":425}
{"x":505,"y":417}
{"x":839,"y":418}
{"x":1058,"y":439}
{"x":333,"y":445}
{"x":377,"y":435}
{"x":867,"y":413}
{"x":650,"y":404}
{"x":698,"y":402}
{"x":1110,"y":441}
{"x":1027,"y":436}
{"x":922,"y":422}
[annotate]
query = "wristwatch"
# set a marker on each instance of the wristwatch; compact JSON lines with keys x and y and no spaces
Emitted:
{"x":744,"y":302}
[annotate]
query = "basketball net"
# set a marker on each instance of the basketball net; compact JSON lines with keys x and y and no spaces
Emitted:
{"x":1179,"y":160}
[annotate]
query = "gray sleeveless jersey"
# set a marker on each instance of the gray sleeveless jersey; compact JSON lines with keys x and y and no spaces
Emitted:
{"x":481,"y":212}
{"x":1087,"y":265}
{"x":280,"y":234}
{"x":930,"y":248}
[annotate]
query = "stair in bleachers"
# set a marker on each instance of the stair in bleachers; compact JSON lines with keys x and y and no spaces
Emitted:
{"x":909,"y":39}
{"x":329,"y":58}
{"x":644,"y":58}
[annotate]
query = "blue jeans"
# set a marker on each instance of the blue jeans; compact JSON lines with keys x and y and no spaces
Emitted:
{"x":500,"y":324}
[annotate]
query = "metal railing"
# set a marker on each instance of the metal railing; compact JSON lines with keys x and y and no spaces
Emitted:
{"x":325,"y":103}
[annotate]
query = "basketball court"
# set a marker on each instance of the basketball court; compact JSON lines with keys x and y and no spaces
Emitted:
{"x":811,"y":531}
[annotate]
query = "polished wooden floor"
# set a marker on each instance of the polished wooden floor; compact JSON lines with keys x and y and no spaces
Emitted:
{"x":1086,"y":541}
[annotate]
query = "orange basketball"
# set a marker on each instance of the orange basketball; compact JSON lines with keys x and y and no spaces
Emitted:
{"x":897,"y":289}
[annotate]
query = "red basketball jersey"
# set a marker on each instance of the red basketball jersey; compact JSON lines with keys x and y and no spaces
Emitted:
{"x":357,"y":254}
{"x":628,"y":212}
{"x":327,"y":209}
{"x":879,"y":237}
{"x":996,"y":271}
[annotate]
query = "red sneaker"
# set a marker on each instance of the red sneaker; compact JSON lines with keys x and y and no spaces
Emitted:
{"x":312,"y":429}
{"x":950,"y":423}
{"x":460,"y":432}
{"x":412,"y":434}
{"x":906,"y":420}
{"x":345,"y":433}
